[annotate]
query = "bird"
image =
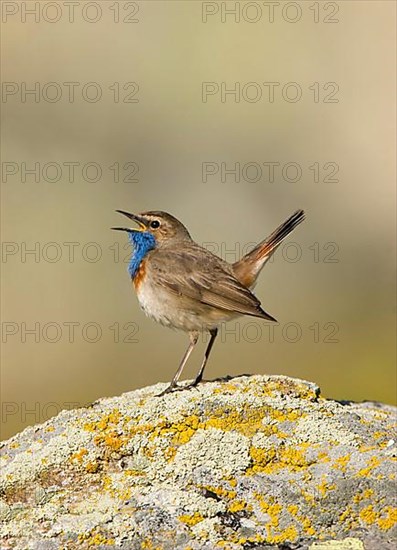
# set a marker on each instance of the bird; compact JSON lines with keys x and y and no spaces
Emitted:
{"x":184,"y":286}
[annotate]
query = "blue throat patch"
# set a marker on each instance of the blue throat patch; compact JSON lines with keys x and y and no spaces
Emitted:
{"x":142,"y":242}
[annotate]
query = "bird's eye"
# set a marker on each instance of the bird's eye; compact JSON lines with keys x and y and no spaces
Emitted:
{"x":154,"y":224}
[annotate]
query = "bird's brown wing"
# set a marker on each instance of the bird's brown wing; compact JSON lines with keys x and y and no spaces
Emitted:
{"x":197,"y":274}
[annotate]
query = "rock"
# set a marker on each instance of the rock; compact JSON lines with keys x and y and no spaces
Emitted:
{"x":251,"y":462}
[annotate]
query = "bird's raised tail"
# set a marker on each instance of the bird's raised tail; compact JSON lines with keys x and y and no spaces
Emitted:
{"x":247,"y":269}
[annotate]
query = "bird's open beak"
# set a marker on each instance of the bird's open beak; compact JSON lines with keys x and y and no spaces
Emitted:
{"x":137,"y":219}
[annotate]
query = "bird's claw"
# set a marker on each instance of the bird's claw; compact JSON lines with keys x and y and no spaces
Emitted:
{"x":169,"y":389}
{"x":174,"y":388}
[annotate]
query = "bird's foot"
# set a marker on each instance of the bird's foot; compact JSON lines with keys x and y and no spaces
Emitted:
{"x":171,"y":388}
{"x":193,"y":384}
{"x":174,"y":387}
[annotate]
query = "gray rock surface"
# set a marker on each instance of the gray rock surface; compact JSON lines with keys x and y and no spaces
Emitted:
{"x":251,"y":462}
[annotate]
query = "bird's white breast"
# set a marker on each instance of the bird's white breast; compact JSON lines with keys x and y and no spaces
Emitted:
{"x":155,"y":303}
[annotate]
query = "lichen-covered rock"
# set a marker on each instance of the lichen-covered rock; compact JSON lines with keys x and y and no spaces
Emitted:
{"x":251,"y":462}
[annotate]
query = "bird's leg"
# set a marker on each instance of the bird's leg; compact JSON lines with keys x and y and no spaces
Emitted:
{"x":174,"y":382}
{"x":199,"y":377}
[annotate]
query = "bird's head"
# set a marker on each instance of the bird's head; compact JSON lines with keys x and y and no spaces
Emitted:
{"x":161,"y":226}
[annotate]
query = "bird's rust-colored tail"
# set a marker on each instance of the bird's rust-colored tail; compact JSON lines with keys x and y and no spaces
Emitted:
{"x":249,"y":266}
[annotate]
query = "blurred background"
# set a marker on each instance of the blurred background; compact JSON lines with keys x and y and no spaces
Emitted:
{"x":168,"y":106}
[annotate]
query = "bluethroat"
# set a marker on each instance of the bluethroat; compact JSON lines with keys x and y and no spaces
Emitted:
{"x":182,"y":285}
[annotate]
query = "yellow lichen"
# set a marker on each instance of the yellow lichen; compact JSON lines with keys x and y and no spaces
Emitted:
{"x":368,"y":515}
{"x":287,"y":415}
{"x":324,"y":487}
{"x":323,"y":457}
{"x":341,"y":463}
{"x":220,"y":491}
{"x":106,"y":430}
{"x":304,"y":520}
{"x":346,"y":514}
{"x":237,"y":506}
{"x":272,"y":510}
{"x":378,"y":435}
{"x":389,"y":519}
{"x":116,"y":492}
{"x":147,"y":544}
{"x":273,"y":534}
{"x":367,"y":448}
{"x":191,"y":519}
{"x":92,"y":467}
{"x":288,"y":534}
{"x":385,"y":519}
{"x":368,"y":493}
{"x":79,"y":455}
{"x":232,"y":481}
{"x":233,"y":538}
{"x":103,"y":423}
{"x":247,"y":421}
{"x":185,"y":430}
{"x":272,"y":460}
{"x":350,"y":519}
{"x":226,"y":388}
{"x":132,"y":472}
{"x":253,"y":539}
{"x":308,"y":497}
{"x":308,"y":527}
{"x":284,"y":387}
{"x":95,"y":539}
{"x":373,"y":463}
